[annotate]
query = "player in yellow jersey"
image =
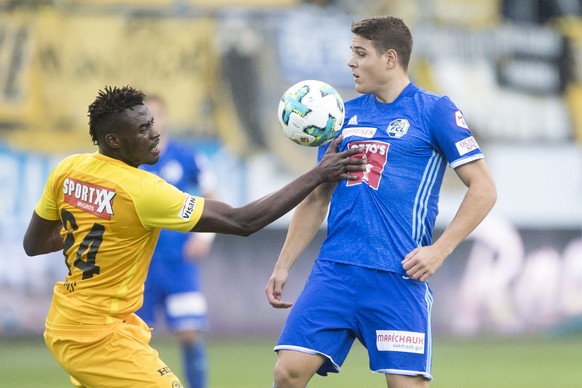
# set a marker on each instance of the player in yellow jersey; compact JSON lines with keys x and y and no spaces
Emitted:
{"x":105,"y":214}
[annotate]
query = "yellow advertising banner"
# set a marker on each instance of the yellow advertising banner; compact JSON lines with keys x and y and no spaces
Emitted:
{"x":244,"y":3}
{"x":192,"y":3}
{"x":16,"y":86}
{"x":71,"y":57}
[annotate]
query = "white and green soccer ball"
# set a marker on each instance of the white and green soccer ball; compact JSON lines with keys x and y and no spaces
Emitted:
{"x":311,"y":113}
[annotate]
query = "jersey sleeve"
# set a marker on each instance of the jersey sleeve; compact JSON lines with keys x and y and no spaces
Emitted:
{"x":164,"y":206}
{"x":452,"y":134}
{"x":47,"y":206}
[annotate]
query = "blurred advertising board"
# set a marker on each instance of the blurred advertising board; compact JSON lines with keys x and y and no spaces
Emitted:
{"x":58,"y":61}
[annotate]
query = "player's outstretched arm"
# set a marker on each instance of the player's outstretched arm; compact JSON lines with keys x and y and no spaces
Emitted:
{"x":306,"y":220}
{"x":221,"y":218}
{"x":42,"y":236}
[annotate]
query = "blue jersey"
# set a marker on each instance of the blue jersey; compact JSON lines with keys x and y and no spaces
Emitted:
{"x":183,"y":168}
{"x":391,"y":209}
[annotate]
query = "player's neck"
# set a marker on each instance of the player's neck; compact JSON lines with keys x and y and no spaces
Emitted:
{"x":393,"y":89}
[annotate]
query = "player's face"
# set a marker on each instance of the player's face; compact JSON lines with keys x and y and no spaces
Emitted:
{"x":139,"y":140}
{"x":158,"y":111}
{"x":159,"y":115}
{"x":369,"y":69}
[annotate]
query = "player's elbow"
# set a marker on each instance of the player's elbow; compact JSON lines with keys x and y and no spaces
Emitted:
{"x":246,"y":228}
{"x":30,"y":248}
{"x":488,"y":194}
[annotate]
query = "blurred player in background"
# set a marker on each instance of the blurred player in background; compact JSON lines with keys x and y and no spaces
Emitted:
{"x":173,"y":283}
{"x":370,"y":278}
{"x":105,"y":214}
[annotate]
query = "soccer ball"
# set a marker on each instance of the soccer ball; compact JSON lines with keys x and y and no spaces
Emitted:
{"x":311,"y":113}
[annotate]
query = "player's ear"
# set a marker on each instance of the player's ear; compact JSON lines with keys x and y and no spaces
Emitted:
{"x":391,"y":58}
{"x":112,"y":140}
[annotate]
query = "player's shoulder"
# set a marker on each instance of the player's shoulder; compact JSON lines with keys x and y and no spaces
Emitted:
{"x":428,"y":96}
{"x":72,"y":161}
{"x":358,"y":101}
{"x":357,"y":105}
{"x":140,"y":184}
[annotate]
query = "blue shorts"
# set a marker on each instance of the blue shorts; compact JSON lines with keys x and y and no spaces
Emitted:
{"x":172,"y":287}
{"x":388,"y":313}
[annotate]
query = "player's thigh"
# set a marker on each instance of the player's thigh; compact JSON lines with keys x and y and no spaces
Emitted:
{"x":395,"y":324}
{"x":401,"y":381}
{"x":186,"y":311}
{"x":121,"y":358}
{"x":297,"y":364}
{"x":185,"y":304}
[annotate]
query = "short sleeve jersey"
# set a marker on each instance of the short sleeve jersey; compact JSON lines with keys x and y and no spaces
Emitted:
{"x":111,"y":214}
{"x":187,"y":170}
{"x":392,"y":208}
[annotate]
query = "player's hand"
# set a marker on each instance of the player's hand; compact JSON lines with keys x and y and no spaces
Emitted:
{"x":274,"y":289}
{"x":335,"y":166}
{"x":422,"y":263}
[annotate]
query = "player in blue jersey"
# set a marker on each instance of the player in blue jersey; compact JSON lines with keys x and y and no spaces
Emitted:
{"x":370,"y":278}
{"x":173,"y":284}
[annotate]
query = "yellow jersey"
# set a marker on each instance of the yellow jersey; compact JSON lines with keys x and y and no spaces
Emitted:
{"x":112,"y":214}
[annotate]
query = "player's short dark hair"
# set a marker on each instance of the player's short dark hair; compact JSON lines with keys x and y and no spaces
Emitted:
{"x":386,"y":32}
{"x":108,"y":109}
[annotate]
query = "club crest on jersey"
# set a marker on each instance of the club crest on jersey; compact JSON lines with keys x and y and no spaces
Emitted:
{"x":398,"y":128}
{"x":94,"y":199}
{"x":460,"y":120}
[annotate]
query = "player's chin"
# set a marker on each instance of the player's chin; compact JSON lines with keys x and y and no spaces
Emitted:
{"x":152,"y":158}
{"x":359,"y":88}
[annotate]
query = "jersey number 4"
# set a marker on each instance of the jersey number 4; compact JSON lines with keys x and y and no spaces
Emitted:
{"x":89,"y":245}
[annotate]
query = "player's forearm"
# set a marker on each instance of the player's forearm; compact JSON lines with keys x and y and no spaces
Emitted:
{"x":306,"y":221}
{"x":307,"y":186}
{"x":477,"y":203}
{"x":42,"y":236}
{"x":220,"y":218}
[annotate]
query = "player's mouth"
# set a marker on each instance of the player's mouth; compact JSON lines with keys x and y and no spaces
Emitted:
{"x":156,"y":147}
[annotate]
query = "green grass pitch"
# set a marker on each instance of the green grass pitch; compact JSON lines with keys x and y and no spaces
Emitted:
{"x":500,"y":363}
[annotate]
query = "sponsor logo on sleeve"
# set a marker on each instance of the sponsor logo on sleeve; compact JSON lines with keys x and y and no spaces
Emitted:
{"x":460,"y":120}
{"x":188,"y":208}
{"x":466,"y":145}
{"x":94,"y":199}
{"x":400,"y":341}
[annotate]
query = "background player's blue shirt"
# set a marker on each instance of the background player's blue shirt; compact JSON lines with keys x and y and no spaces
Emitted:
{"x":178,"y":165}
{"x":375,"y":221}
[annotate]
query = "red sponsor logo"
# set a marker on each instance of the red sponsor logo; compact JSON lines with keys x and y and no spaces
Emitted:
{"x":377,"y":153}
{"x":94,"y":199}
{"x":466,"y":145}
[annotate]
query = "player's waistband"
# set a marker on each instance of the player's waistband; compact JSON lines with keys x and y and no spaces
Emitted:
{"x":59,"y":325}
{"x":60,"y":330}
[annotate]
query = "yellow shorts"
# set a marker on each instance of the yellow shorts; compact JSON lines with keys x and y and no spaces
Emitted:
{"x":116,"y":355}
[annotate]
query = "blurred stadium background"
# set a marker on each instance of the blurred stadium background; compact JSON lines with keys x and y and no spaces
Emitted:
{"x":513,"y":66}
